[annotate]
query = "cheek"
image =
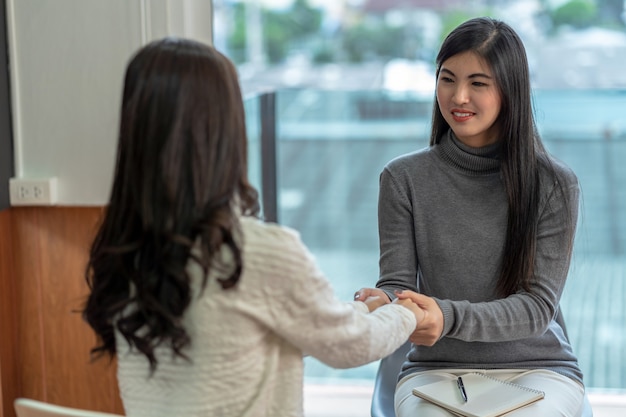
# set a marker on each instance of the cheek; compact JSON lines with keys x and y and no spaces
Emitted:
{"x":497,"y":103}
{"x":491,"y":105}
{"x":497,"y":107}
{"x":441,"y":99}
{"x":439,"y":95}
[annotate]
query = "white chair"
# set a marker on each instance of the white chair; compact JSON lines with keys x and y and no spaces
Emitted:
{"x":387,"y":376}
{"x":32,"y":408}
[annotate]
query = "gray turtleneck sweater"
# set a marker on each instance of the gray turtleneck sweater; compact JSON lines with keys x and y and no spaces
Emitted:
{"x":442,"y":225}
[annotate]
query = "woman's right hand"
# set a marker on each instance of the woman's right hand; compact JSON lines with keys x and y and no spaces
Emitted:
{"x":415,"y":309}
{"x":365,"y":293}
{"x":372,"y":297}
{"x":430,"y":328}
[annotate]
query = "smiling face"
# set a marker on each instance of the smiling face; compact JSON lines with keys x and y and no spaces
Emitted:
{"x":469,"y":99}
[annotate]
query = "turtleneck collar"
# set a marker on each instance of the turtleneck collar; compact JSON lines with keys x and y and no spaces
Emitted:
{"x":472,"y":161}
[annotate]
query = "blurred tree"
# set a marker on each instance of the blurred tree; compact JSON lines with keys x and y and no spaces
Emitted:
{"x":370,"y":39}
{"x":324,"y":53}
{"x":284,"y":30}
{"x":304,"y":19}
{"x":275,"y":36}
{"x":611,"y":12}
{"x":454,"y":18}
{"x":577,"y":13}
{"x":281,"y":30}
{"x":236,"y":40}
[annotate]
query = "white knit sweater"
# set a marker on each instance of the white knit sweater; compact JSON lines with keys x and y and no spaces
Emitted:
{"x":248,"y":342}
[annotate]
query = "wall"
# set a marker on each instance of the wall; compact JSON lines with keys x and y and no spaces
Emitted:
{"x":48,"y":357}
{"x":9,"y":377}
{"x":66,"y":60}
{"x":67,"y":65}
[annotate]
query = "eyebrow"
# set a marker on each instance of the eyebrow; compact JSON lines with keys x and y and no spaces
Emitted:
{"x":477,"y":74}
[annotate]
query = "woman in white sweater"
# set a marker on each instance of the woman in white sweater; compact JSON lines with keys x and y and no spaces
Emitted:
{"x":208,"y":309}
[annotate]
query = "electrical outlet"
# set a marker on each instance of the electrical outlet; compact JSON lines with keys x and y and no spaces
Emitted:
{"x":33,"y":192}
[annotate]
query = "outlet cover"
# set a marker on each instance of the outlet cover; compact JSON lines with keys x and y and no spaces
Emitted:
{"x":33,"y":192}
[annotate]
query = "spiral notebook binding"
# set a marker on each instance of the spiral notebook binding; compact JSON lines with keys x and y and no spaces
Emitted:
{"x":524,"y":387}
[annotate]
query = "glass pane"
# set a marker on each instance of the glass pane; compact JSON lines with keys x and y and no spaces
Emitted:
{"x":253,"y":121}
{"x":332,"y":147}
{"x":585,"y":129}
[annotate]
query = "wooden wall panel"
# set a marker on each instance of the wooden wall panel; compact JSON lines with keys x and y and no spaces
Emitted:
{"x":9,"y":381}
{"x":28,"y":302}
{"x":50,"y":249}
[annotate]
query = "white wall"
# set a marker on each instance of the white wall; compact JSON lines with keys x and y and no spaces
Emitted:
{"x":67,"y":61}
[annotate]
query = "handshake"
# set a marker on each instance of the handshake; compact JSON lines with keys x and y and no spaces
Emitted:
{"x":428,"y":315}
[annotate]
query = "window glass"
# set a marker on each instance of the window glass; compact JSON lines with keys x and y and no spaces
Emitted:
{"x":354,"y":82}
{"x":253,"y":126}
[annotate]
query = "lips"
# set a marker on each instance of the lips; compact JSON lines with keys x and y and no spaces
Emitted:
{"x":461,"y":115}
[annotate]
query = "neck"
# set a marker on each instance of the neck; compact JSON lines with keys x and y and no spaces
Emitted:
{"x":473,"y":161}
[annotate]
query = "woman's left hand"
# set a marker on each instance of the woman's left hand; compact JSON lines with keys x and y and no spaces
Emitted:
{"x":429,"y":330}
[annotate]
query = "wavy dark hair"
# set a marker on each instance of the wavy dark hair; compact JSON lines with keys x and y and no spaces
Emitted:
{"x":180,"y":180}
{"x":523,"y":153}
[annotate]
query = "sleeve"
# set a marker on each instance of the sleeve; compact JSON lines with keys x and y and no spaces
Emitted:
{"x":525,"y":314}
{"x":304,"y":311}
{"x":398,"y":258}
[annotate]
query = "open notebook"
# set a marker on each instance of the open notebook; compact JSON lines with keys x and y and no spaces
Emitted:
{"x":486,"y":396}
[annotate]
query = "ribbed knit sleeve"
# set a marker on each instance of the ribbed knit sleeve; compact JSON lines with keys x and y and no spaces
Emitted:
{"x":398,"y":257}
{"x":301,"y":307}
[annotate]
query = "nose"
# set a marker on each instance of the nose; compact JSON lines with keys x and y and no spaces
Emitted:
{"x":461,"y":95}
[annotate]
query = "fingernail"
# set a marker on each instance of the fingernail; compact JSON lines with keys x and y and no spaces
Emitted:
{"x":357,"y":296}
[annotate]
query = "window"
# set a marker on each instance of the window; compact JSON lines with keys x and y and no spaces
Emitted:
{"x":354,"y":86}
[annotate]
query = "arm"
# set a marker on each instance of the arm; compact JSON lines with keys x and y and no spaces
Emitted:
{"x":398,"y":254}
{"x":304,"y":311}
{"x":524,"y":314}
{"x":521,"y":315}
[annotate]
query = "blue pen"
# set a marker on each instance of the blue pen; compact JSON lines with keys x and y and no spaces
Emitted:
{"x":459,"y":383}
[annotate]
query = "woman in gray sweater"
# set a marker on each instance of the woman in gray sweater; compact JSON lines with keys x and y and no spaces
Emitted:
{"x":479,"y":227}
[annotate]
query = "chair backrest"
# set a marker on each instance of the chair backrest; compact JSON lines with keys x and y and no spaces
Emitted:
{"x":385,"y":382}
{"x":25,"y":407}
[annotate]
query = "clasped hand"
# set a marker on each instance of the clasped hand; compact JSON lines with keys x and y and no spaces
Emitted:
{"x":427,"y":312}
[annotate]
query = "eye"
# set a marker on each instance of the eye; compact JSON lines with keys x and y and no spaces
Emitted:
{"x":478,"y":84}
{"x":446,"y":79}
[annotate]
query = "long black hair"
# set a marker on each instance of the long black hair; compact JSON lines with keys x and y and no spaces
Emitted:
{"x":523,"y":154}
{"x":180,"y":180}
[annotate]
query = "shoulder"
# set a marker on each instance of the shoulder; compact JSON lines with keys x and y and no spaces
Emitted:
{"x":409,"y":160}
{"x":269,"y":242}
{"x":275,"y":251}
{"x":558,"y":183}
{"x":402,"y":174}
{"x":554,"y":171}
{"x":256,"y":230}
{"x":275,"y":255}
{"x":410,"y":166}
{"x":562,"y":171}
